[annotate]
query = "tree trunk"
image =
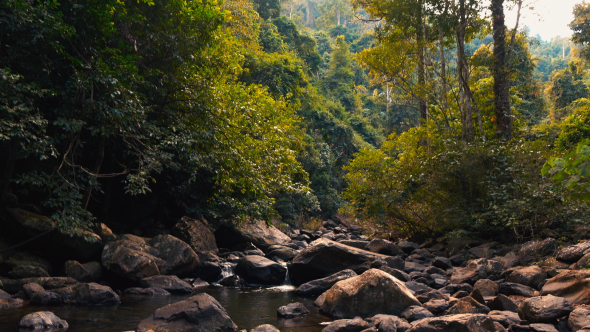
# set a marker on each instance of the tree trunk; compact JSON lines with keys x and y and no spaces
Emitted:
{"x":500,"y":72}
{"x":421,"y":66}
{"x":443,"y":74}
{"x":463,"y":73}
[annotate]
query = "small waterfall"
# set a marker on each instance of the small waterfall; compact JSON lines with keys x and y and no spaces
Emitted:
{"x":286,"y":286}
{"x":227,"y":270}
{"x":287,"y":281}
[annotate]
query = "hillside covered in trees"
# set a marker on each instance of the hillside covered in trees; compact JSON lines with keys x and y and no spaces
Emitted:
{"x":411,"y":117}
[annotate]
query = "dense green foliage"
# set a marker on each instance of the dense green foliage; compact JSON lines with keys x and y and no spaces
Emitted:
{"x":137,"y":112}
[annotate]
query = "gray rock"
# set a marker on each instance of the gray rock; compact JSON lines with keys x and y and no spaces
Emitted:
{"x":502,"y":303}
{"x":31,"y":288}
{"x":256,"y":232}
{"x":544,"y":309}
{"x":347,"y":325}
{"x":414,"y":313}
{"x":317,"y":287}
{"x":12,"y":303}
{"x":146,"y":291}
{"x":324,"y":258}
{"x":28,"y":271}
{"x":543,"y":328}
{"x":370,"y":293}
{"x":260,"y":271}
{"x":200,"y":313}
{"x":196,"y":234}
{"x":384,"y":247}
{"x":466,"y":305}
{"x":530,"y":276}
{"x":283,"y":253}
{"x":131,"y":259}
{"x":455,"y":323}
{"x":534,"y":250}
{"x":436,"y":306}
{"x":5,"y":296}
{"x":15,"y":285}
{"x":401,"y":275}
{"x":505,"y":318}
{"x":573,"y":253}
{"x":179,"y":257}
{"x":578,"y":319}
{"x":486,"y":287}
{"x":265,"y":328}
{"x":389,"y":323}
{"x":88,"y":294}
{"x":171,"y":284}
{"x":355,"y":243}
{"x":46,"y":298}
{"x":42,"y":320}
{"x":407,"y":246}
{"x":442,"y":263}
{"x":510,"y":288}
{"x":574,"y":286}
{"x":292,"y":310}
{"x":88,"y":272}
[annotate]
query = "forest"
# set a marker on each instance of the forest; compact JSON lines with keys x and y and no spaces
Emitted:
{"x":416,"y":118}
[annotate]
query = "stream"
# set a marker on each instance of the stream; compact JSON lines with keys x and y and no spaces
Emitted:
{"x":247,"y":307}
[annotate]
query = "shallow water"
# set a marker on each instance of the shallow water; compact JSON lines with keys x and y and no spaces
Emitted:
{"x":248,"y":308}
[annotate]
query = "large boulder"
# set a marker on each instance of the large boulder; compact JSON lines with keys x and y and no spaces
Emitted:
{"x":373,"y":292}
{"x":283,"y":253}
{"x":455,"y":323}
{"x":199,"y":313}
{"x":533,"y":251}
{"x":574,"y":286}
{"x":531,"y":276}
{"x":325,"y":257}
{"x":42,"y":320}
{"x":87,"y":272}
{"x":578,"y":319}
{"x":180,"y":258}
{"x":130,"y":260}
{"x":573,"y":253}
{"x":196,"y":234}
{"x":511,"y":288}
{"x":292,"y":310}
{"x":88,"y":294}
{"x":347,"y":325}
{"x":172,"y":284}
{"x":72,"y":244}
{"x":259,"y":270}
{"x":257,"y":232}
{"x":389,"y":323}
{"x":317,"y":287}
{"x":544,"y":309}
{"x":134,"y":258}
{"x":265,"y":328}
{"x":476,"y":269}
{"x":384,"y":247}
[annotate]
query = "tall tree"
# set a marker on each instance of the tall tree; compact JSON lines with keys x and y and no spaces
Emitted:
{"x":500,"y":72}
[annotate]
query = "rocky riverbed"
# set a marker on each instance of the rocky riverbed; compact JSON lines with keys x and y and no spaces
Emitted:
{"x":337,"y":275}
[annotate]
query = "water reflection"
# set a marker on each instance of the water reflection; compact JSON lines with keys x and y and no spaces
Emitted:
{"x":248,"y":308}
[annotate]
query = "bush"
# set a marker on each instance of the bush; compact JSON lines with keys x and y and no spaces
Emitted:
{"x":484,"y":188}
